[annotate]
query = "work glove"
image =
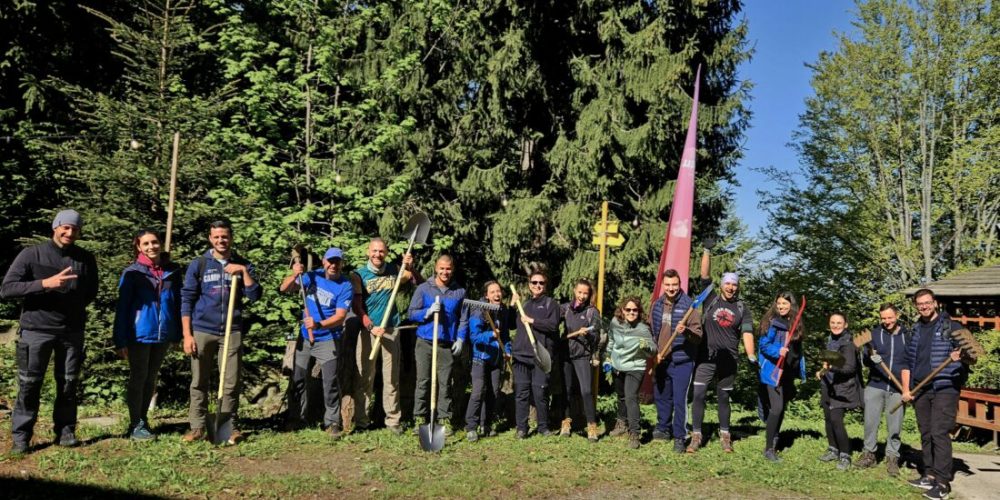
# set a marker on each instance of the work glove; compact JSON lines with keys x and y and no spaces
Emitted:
{"x":876,"y":358}
{"x":435,"y":307}
{"x":456,"y":348}
{"x":752,"y":359}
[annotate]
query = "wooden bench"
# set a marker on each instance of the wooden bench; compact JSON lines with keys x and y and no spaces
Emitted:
{"x":978,"y":408}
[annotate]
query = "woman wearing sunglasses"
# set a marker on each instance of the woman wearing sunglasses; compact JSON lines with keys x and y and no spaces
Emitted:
{"x":630,"y":344}
{"x":541,"y":312}
{"x":147,"y":320}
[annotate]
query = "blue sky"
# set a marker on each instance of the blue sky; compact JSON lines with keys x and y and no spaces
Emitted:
{"x":786,"y":35}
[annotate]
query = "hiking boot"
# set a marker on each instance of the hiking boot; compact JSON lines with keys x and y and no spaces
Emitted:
{"x":416,"y":428}
{"x":592,"y":432}
{"x":621,"y":428}
{"x":892,"y":465}
{"x":448,"y":431}
{"x":695,"y":442}
{"x":142,"y":433}
{"x":633,"y":440}
{"x":566,"y":429}
{"x":471,"y":436}
{"x":923,"y":482}
{"x":237,"y":437}
{"x":660,"y":436}
{"x":68,"y":440}
{"x":844,"y":463}
{"x":727,"y":441}
{"x":19,"y":449}
{"x":521,"y":434}
{"x":940,"y":491}
{"x":830,"y":455}
{"x":333,"y":430}
{"x":197,"y":434}
{"x":545,"y":433}
{"x":771,"y":455}
{"x":679,"y":445}
{"x":396,"y":430}
{"x":867,"y":460}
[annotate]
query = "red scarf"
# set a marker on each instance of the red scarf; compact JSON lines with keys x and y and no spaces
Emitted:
{"x":155,"y":269}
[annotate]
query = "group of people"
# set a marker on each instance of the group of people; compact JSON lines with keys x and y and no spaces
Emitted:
{"x":680,"y":347}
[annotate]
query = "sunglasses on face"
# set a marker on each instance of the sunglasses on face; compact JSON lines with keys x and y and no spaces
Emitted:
{"x":537,"y":282}
{"x":631,"y":309}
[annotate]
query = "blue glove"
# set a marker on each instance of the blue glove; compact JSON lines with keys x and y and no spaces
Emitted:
{"x":456,"y":348}
{"x":435,"y":307}
{"x":607,"y":367}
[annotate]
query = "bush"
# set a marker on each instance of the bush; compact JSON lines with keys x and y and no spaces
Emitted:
{"x":985,"y":374}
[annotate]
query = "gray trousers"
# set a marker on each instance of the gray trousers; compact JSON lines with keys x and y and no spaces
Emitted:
{"x":144,"y":362}
{"x":326,"y":357}
{"x":422,"y":394}
{"x":877,"y":402}
{"x":33,"y":352}
{"x":201,"y":370}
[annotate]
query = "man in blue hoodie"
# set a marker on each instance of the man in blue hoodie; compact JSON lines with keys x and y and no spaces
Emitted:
{"x":328,"y":298}
{"x":204,"y":305}
{"x":453,"y":333}
{"x":887,"y":347}
{"x":936,"y":406}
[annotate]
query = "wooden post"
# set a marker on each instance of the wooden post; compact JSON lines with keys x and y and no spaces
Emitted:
{"x":173,"y":192}
{"x":595,"y":385}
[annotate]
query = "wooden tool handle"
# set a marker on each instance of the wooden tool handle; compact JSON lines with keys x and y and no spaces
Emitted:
{"x":434,"y":359}
{"x":924,"y":382}
{"x":670,"y":341}
{"x":392,"y":302}
{"x":233,"y":291}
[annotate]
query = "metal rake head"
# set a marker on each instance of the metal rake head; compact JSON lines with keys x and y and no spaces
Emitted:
{"x":478,"y":304}
{"x":971,"y":348}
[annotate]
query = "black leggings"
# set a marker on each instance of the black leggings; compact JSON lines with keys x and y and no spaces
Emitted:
{"x":776,"y":401}
{"x":836,"y":432}
{"x":721,"y":367}
{"x":579,"y":367}
{"x":627,"y":389}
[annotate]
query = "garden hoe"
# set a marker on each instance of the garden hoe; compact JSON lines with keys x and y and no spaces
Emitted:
{"x":417,"y":229}
{"x":542,"y":358}
{"x":223,"y":424}
{"x":431,"y":436}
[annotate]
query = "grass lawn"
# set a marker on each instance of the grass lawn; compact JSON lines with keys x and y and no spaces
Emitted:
{"x":377,"y":464}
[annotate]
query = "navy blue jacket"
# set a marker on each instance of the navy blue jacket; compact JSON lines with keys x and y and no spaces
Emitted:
{"x":149,"y":309}
{"x":454,"y":316}
{"x":207,"y":299}
{"x":892,"y":348}
{"x":953,"y":377}
{"x":684,"y":350}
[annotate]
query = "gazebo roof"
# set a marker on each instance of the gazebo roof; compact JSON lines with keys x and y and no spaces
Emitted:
{"x":981,"y":282}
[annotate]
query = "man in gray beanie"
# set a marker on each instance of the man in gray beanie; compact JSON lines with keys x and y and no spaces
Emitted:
{"x":57,"y":280}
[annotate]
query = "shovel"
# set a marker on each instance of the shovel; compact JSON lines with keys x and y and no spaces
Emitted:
{"x":831,"y":358}
{"x":431,"y":437}
{"x":223,"y":429}
{"x":542,"y":358}
{"x":417,"y":229}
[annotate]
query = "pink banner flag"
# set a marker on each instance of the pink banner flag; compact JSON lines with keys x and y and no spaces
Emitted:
{"x":677,"y":243}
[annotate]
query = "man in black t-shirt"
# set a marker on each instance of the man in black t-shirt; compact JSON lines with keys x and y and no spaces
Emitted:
{"x":726,"y":321}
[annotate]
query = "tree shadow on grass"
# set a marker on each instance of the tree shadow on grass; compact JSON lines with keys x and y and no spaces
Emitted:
{"x":15,"y":488}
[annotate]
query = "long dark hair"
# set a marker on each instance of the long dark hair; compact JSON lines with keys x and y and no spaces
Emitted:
{"x":139,"y":234}
{"x":772,"y":313}
{"x":620,"y":310}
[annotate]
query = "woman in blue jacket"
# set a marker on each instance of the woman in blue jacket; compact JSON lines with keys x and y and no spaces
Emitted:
{"x":490,"y":335}
{"x":147,"y":320}
{"x":778,"y":382}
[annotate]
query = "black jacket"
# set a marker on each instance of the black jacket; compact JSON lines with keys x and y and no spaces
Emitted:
{"x":52,"y":311}
{"x":840,"y":387}
{"x":545,"y":311}
{"x":573,"y":319}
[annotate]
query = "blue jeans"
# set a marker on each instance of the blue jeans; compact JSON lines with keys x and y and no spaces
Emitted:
{"x":670,"y":388}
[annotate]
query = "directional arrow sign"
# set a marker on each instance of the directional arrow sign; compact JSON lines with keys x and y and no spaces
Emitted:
{"x":614,"y":240}
{"x":612,"y":227}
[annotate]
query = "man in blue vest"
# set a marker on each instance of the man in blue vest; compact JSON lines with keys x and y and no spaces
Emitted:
{"x":936,"y":405}
{"x":328,"y":298}
{"x":672,"y":376}
{"x":888,"y":347}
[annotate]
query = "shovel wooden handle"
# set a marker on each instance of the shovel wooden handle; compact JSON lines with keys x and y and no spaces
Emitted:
{"x":434,"y":363}
{"x":392,"y":302}
{"x":233,"y":291}
{"x":173,"y":192}
{"x":527,"y":327}
{"x":660,"y":356}
{"x":925,"y":381}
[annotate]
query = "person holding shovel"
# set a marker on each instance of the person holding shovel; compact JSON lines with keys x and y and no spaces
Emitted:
{"x":541,"y":312}
{"x":57,"y":280}
{"x":490,"y":335}
{"x":204,"y":304}
{"x":328,"y":298}
{"x":781,"y":358}
{"x":888,"y":348}
{"x":839,"y":391}
{"x":453,"y":322}
{"x":373,"y":284}
{"x":630,"y":345}
{"x":147,"y":321}
{"x":582,"y":324}
{"x":936,"y":406}
{"x":672,"y":375}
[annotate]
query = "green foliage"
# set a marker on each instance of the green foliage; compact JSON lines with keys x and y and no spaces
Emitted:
{"x":986,"y":372}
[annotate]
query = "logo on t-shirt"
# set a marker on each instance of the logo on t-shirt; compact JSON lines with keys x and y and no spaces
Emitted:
{"x":724,"y":317}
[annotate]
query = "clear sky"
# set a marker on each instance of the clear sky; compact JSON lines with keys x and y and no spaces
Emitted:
{"x":786,"y":34}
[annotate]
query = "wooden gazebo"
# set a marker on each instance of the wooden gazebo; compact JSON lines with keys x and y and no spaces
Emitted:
{"x":973,"y":299}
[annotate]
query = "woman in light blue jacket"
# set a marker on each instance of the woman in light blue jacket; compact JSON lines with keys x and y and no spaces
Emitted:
{"x":147,"y":320}
{"x":630,"y":345}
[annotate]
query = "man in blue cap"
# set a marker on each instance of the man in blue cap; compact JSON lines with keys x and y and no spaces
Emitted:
{"x":57,"y":280}
{"x":328,"y":298}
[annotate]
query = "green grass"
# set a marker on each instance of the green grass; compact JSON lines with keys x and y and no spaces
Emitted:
{"x":281,"y":465}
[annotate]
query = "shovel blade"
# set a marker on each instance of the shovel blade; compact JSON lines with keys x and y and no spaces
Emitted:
{"x":542,"y":358}
{"x":222,"y":428}
{"x":431,"y":437}
{"x":418,"y":227}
